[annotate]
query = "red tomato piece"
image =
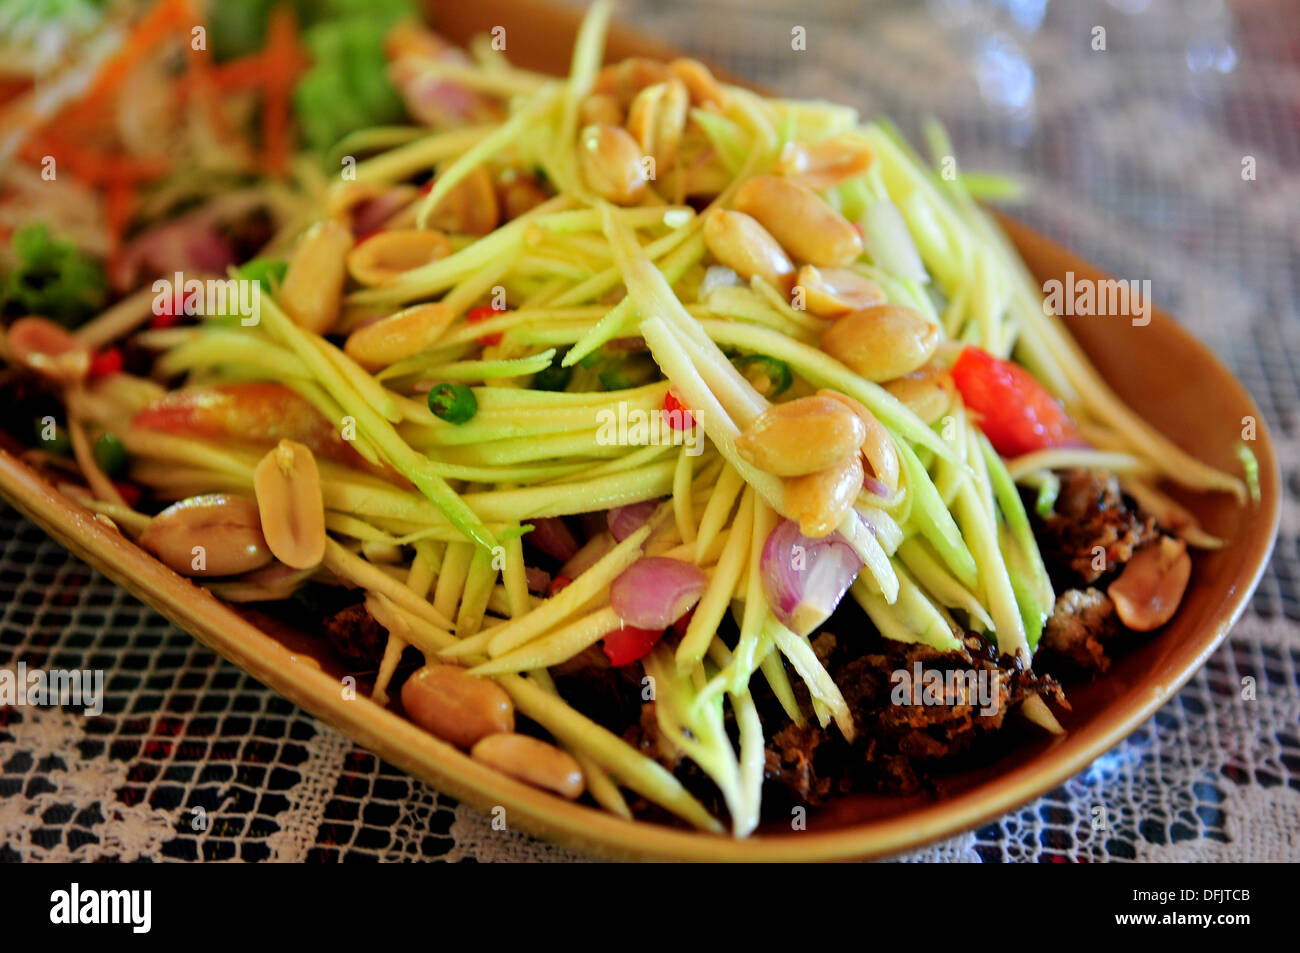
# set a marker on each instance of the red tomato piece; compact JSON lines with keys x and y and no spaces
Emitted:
{"x":130,"y":493}
{"x":170,"y":312}
{"x":630,"y":644}
{"x":679,"y":627}
{"x":676,"y":413}
{"x":482,"y":313}
{"x":105,"y":363}
{"x":1016,"y":412}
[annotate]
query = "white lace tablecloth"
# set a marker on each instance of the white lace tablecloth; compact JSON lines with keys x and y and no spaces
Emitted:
{"x":1135,"y":154}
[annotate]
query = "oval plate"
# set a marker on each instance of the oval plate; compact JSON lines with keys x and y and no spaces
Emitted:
{"x":1160,"y":370}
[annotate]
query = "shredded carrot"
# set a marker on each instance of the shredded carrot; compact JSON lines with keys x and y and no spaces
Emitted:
{"x":283,"y":59}
{"x":201,"y":84}
{"x":162,"y":19}
{"x":92,"y":168}
{"x":247,"y":72}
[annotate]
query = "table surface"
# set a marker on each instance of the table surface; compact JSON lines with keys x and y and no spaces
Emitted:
{"x":1138,"y":156}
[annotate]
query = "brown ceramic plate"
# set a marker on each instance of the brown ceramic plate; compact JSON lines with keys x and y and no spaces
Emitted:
{"x":1163,"y":373}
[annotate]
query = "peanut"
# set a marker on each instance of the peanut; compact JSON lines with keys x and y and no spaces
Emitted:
{"x":801,"y":220}
{"x":470,"y":208}
{"x":212,"y":535}
{"x":818,"y":501}
{"x":738,"y":241}
{"x":601,"y":109}
{"x":881,"y":342}
{"x":519,"y":194}
{"x":878,"y":446}
{"x":700,"y":82}
{"x":457,"y":707}
{"x":399,"y":335}
{"x":657,"y":119}
{"x":382,"y":257}
{"x":46,"y":348}
{"x":835,"y":292}
{"x":825,"y":164}
{"x":927,"y":391}
{"x":625,"y":79}
{"x":611,"y":164}
{"x":313,"y":284}
{"x":289,"y":501}
{"x":802,"y":436}
{"x":1148,"y":591}
{"x":532,"y":761}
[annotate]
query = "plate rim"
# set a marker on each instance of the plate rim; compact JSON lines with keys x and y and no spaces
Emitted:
{"x":590,"y":829}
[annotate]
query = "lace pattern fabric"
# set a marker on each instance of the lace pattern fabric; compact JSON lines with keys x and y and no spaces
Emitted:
{"x":1135,"y":155}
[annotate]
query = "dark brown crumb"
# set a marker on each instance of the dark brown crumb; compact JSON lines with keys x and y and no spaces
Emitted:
{"x":1090,"y":512}
{"x":789,"y":763}
{"x":897,"y":744}
{"x":356,"y":636}
{"x":1081,"y":622}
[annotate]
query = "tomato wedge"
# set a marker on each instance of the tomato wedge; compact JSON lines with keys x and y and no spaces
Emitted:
{"x":630,"y":644}
{"x":483,"y":313}
{"x":1016,"y":412}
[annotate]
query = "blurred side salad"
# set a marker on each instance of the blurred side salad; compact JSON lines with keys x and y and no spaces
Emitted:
{"x":138,"y":139}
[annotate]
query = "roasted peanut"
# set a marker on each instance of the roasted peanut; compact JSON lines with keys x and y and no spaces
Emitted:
{"x":313,"y":285}
{"x":818,"y":501}
{"x":457,"y":707}
{"x":704,"y":88}
{"x":532,"y":761}
{"x":212,"y":535}
{"x":744,"y":246}
{"x":46,"y":348}
{"x":834,"y":292}
{"x":878,"y":447}
{"x":611,"y":164}
{"x":399,"y":335}
{"x":287,"y":484}
{"x":470,"y":208}
{"x":801,"y":220}
{"x":657,"y":119}
{"x":825,"y":164}
{"x":1148,"y":591}
{"x":384,"y":256}
{"x":601,"y":109}
{"x":517,"y":194}
{"x":802,"y":436}
{"x":881,"y":342}
{"x":927,"y":391}
{"x":625,"y":79}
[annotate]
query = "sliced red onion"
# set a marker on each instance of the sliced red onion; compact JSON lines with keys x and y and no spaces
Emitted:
{"x":655,"y":591}
{"x":587,"y":556}
{"x":805,"y":578}
{"x":370,"y":215}
{"x":191,"y":246}
{"x":718,"y":276}
{"x":552,"y":536}
{"x":889,"y":243}
{"x":881,"y":491}
{"x":626,"y":520}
